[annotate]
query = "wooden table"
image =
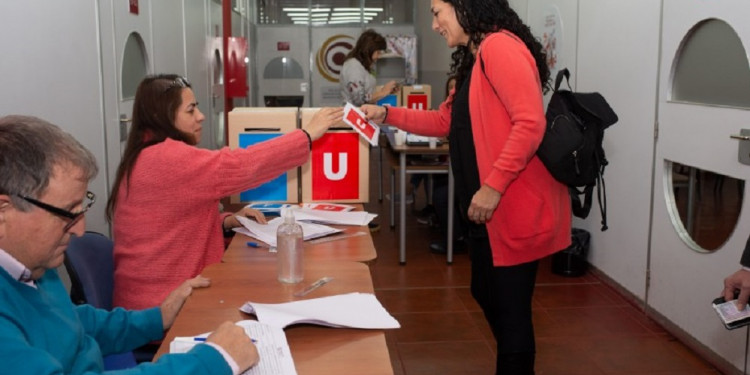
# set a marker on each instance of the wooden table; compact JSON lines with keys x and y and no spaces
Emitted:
{"x":315,"y":349}
{"x":402,"y":151}
{"x":358,"y":249}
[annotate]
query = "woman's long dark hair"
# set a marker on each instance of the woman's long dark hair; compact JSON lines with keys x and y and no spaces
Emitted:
{"x":367,"y":43}
{"x":481,"y":17}
{"x":156,"y":102}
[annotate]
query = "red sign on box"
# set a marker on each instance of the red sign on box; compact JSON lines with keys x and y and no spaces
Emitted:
{"x":416,"y":101}
{"x":335,"y":167}
{"x":133,"y":6}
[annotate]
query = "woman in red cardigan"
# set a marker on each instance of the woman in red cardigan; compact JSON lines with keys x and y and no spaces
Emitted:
{"x":495,"y":119}
{"x":164,"y":206}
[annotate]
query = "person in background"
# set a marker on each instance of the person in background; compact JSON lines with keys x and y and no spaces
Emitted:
{"x":43,"y":202}
{"x":357,"y":79}
{"x":495,"y":122}
{"x":737,"y":285}
{"x":164,"y":205}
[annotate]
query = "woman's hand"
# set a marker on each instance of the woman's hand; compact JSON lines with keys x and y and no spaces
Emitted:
{"x":374,"y":112}
{"x":174,"y":301}
{"x":324,"y":119}
{"x":387,"y":89}
{"x":232,"y":222}
{"x":483,"y":204}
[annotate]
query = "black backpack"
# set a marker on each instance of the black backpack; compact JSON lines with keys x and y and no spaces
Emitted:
{"x":572,"y":145}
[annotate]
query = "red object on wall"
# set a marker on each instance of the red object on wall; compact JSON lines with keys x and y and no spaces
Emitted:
{"x":133,"y":6}
{"x":416,"y":101}
{"x":236,"y":74}
{"x":335,"y":166}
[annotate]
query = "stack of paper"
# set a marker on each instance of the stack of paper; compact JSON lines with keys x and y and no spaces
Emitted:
{"x":275,"y":355}
{"x":353,"y":310}
{"x":267,"y":232}
{"x":328,"y":206}
{"x":333,"y":217}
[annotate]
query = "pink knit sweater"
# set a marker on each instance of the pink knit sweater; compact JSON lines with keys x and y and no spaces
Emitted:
{"x":533,"y":217}
{"x":167,"y":225}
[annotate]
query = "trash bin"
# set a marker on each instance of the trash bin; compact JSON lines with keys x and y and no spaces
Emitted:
{"x":571,"y":261}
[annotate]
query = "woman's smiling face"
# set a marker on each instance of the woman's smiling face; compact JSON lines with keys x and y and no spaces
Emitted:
{"x":445,"y":23}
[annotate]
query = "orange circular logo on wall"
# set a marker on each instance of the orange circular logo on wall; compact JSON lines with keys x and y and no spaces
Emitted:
{"x":331,"y":56}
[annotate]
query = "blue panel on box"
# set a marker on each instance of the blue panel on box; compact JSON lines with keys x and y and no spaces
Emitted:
{"x":389,"y":100}
{"x":274,"y":190}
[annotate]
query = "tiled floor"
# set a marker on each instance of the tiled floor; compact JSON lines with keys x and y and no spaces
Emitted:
{"x":582,"y":325}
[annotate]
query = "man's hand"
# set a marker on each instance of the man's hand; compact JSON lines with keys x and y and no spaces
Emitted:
{"x":174,"y":301}
{"x":233,"y":339}
{"x":739,"y":280}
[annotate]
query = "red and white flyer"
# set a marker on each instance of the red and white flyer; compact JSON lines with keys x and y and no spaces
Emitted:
{"x":357,"y":120}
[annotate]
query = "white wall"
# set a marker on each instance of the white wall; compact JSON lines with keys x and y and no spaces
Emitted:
{"x":54,"y":73}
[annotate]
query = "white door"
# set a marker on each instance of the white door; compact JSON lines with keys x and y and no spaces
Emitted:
{"x":126,"y":42}
{"x":704,"y":96}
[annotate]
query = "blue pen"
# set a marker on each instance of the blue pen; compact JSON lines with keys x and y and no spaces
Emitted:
{"x":255,"y":244}
{"x":203,"y":339}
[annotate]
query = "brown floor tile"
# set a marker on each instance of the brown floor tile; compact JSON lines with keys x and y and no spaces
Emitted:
{"x":465,"y":357}
{"x":421,"y":327}
{"x":420,"y":300}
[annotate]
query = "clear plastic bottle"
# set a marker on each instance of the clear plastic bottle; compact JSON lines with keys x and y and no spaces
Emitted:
{"x":289,"y":249}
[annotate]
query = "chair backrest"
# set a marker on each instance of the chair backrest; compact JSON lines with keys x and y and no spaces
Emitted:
{"x":89,"y":262}
{"x":90,"y":265}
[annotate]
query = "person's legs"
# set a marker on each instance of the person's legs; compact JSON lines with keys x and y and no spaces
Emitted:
{"x":504,"y":294}
{"x":440,"y":200}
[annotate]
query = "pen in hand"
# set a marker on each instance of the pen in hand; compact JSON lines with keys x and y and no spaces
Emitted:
{"x":203,"y":339}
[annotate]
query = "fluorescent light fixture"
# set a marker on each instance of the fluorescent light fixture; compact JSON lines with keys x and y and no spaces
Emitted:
{"x":306,"y":10}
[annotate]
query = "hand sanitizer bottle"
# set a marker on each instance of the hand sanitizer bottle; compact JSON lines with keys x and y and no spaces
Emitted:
{"x":289,"y":249}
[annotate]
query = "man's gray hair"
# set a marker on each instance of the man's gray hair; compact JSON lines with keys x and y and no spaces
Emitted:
{"x":30,"y":148}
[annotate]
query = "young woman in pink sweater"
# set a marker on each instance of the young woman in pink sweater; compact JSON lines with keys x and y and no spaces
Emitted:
{"x":495,"y":119}
{"x":164,"y":206}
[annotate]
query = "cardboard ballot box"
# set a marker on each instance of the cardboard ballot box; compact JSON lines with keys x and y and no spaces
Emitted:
{"x":248,"y":126}
{"x":339,"y":166}
{"x":393,"y":100}
{"x":417,"y":96}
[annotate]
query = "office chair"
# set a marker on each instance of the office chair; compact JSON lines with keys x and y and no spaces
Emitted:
{"x":90,"y":265}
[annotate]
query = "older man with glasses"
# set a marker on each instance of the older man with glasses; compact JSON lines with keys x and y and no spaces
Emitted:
{"x":43,"y":201}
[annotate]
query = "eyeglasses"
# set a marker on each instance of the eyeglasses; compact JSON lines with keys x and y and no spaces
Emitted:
{"x":74,"y":217}
{"x":180,"y":82}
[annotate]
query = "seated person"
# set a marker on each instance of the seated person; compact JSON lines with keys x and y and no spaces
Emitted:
{"x":164,"y":202}
{"x":43,"y":200}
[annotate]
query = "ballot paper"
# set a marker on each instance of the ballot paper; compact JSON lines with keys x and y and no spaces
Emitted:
{"x":267,"y":232}
{"x":275,"y":355}
{"x":352,"y":310}
{"x":332,"y":217}
{"x":357,"y":120}
{"x":328,"y":207}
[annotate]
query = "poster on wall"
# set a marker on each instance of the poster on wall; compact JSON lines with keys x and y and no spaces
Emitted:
{"x":552,"y":38}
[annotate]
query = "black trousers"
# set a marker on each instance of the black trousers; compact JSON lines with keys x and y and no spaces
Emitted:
{"x":504,"y":294}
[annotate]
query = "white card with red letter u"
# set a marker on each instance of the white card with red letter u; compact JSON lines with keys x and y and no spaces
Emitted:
{"x":357,"y":120}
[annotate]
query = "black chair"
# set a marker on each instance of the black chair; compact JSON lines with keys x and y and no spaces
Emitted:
{"x":90,"y":265}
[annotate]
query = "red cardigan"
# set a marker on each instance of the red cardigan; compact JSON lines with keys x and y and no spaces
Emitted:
{"x":533,"y":217}
{"x":167,"y":225}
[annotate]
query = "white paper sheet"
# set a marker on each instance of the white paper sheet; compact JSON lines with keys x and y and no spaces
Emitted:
{"x":353,"y":310}
{"x":273,"y":349}
{"x":267,"y":232}
{"x":333,"y":217}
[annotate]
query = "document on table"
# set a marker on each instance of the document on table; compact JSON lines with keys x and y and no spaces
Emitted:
{"x":267,"y":232}
{"x":352,"y":310}
{"x":275,"y":355}
{"x":334,"y":217}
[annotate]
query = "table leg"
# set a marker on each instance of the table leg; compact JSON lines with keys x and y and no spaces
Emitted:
{"x":380,"y":173}
{"x":451,"y":212}
{"x":402,"y":209}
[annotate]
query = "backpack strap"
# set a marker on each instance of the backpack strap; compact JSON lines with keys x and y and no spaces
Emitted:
{"x":558,"y":80}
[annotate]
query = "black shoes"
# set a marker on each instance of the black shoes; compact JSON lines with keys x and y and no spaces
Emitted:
{"x":440,"y":247}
